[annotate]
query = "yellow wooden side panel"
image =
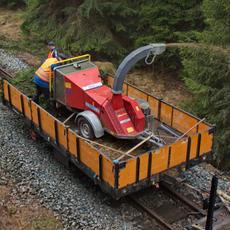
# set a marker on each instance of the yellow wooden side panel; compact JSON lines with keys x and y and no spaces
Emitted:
{"x":193,"y":150}
{"x":34,"y":113}
{"x":166,"y":113}
{"x":135,"y":93}
{"x":183,"y":122}
{"x":178,"y":153}
{"x":72,"y":138}
{"x":125,"y":88}
{"x":5,"y":90}
{"x":89,"y":156}
{"x":15,"y":98}
{"x":160,"y":160}
{"x":154,"y":103}
{"x":110,"y":81}
{"x":127,"y":175}
{"x":26,"y":103}
{"x":107,"y":171}
{"x":206,"y":143}
{"x":47,"y":123}
{"x":203,"y":127}
{"x":62,"y":132}
{"x":143,"y":166}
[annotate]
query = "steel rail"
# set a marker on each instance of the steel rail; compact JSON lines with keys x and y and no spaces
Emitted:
{"x":183,"y":199}
{"x":151,"y":213}
{"x":171,"y":192}
{"x":5,"y":73}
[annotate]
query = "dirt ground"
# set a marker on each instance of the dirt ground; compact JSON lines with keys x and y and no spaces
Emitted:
{"x":10,"y":22}
{"x":164,"y":86}
{"x":16,"y":213}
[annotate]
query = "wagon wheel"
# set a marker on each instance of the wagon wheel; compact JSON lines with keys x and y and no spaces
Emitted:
{"x":85,"y":128}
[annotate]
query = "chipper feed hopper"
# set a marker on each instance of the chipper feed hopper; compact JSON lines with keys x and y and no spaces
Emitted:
{"x":77,"y":85}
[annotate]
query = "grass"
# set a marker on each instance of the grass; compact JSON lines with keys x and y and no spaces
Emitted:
{"x":24,"y":81}
{"x":45,"y":223}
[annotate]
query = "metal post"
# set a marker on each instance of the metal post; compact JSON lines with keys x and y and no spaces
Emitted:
{"x":211,"y":205}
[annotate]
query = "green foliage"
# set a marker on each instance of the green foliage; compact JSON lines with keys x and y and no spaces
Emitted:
{"x":111,"y":29}
{"x":24,"y":82}
{"x":217,"y":14}
{"x":13,"y":3}
{"x":206,"y":73}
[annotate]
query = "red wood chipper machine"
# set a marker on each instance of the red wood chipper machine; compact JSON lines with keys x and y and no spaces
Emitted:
{"x":77,"y":84}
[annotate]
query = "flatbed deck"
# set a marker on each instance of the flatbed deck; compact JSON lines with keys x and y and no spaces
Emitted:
{"x":132,"y":173}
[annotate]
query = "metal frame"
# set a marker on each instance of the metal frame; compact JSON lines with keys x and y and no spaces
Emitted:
{"x":63,"y":155}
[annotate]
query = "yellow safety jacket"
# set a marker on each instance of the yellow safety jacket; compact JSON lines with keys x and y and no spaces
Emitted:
{"x":44,"y":71}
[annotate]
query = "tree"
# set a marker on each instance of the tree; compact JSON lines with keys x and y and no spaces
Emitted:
{"x":12,"y":3}
{"x":111,"y":29}
{"x":207,"y":72}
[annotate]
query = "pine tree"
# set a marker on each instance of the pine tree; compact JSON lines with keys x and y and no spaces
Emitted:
{"x":207,"y":74}
{"x":113,"y":28}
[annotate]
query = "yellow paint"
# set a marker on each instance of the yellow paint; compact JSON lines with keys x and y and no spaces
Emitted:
{"x":86,"y":56}
{"x":130,"y":129}
{"x":68,"y":85}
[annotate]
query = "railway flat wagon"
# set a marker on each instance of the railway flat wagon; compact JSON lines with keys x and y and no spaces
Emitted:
{"x":125,"y":173}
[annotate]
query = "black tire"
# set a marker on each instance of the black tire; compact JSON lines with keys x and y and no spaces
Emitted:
{"x":85,"y":128}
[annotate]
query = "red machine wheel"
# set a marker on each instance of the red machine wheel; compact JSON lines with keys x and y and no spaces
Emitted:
{"x":85,"y":128}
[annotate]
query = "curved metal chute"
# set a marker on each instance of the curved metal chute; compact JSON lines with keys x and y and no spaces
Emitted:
{"x":132,"y":59}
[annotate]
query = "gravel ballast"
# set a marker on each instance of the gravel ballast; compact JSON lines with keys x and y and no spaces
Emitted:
{"x":74,"y":198}
{"x":11,"y":63}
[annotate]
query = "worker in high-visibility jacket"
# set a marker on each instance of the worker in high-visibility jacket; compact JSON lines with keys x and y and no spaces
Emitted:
{"x":53,"y":52}
{"x":41,"y":79}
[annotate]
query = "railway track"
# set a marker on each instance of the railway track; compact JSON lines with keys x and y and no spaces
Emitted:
{"x":166,"y":206}
{"x":5,"y":73}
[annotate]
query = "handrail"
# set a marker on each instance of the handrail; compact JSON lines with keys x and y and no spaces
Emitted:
{"x":62,"y":62}
{"x":87,"y":56}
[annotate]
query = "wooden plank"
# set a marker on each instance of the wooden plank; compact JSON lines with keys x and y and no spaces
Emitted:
{"x":127,"y":174}
{"x":178,"y":153}
{"x":135,"y":93}
{"x":183,"y":122}
{"x":107,"y":171}
{"x":72,"y":142}
{"x":143,"y":173}
{"x":47,"y":123}
{"x":26,"y":103}
{"x":203,"y":127}
{"x":62,"y":135}
{"x":193,"y":151}
{"x":125,"y":88}
{"x":15,"y":98}
{"x":5,"y":90}
{"x":160,"y":160}
{"x":89,"y":156}
{"x":154,"y":104}
{"x":110,"y":81}
{"x":34,"y":113}
{"x":206,"y":142}
{"x":194,"y":126}
{"x":166,"y":113}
